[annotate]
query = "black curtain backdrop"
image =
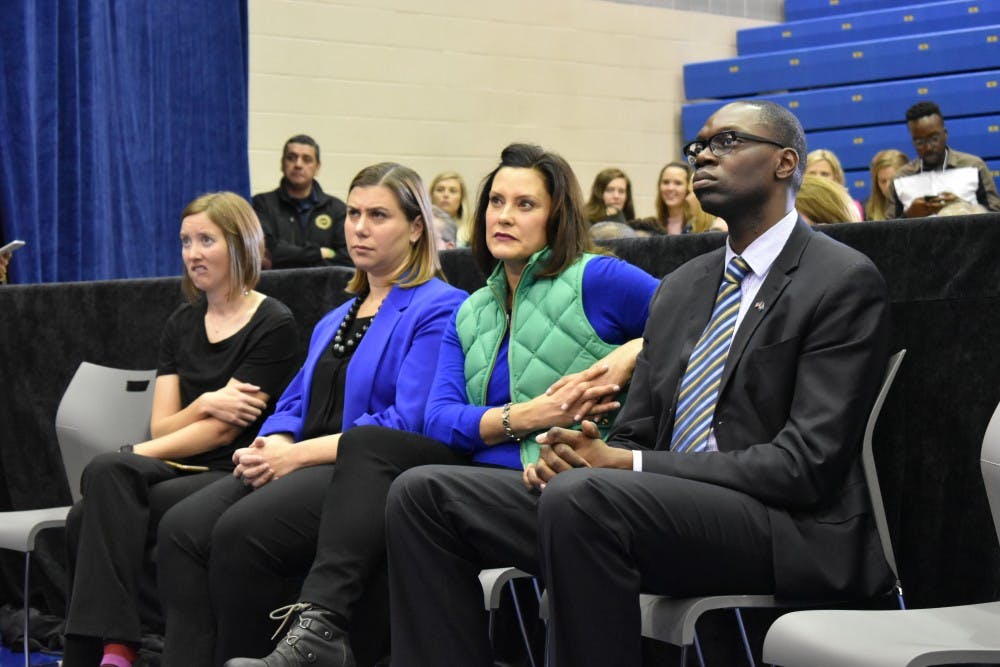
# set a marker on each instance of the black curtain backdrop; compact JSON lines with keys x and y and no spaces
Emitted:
{"x":944,"y":284}
{"x":113,"y":115}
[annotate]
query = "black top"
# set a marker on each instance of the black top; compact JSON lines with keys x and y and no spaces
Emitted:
{"x":326,"y":395}
{"x":263,"y":353}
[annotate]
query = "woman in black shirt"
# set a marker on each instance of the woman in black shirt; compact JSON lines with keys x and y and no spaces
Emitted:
{"x":223,"y":356}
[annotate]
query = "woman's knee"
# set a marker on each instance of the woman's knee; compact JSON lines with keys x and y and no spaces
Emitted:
{"x":233,"y":538}
{"x":254,"y":536}
{"x":180,"y":528}
{"x":108,"y":468}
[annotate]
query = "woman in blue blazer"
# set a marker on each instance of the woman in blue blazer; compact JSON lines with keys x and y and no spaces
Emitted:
{"x":240,"y":547}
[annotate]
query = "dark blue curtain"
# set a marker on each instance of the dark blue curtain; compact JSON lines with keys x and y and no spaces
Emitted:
{"x":113,"y":115}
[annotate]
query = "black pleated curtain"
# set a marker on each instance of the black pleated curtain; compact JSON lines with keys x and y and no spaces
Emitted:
{"x":113,"y":115}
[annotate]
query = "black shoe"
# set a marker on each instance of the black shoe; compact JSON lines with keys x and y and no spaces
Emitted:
{"x":314,"y":639}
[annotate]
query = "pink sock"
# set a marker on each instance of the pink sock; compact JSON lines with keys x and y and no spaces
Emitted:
{"x":118,"y":655}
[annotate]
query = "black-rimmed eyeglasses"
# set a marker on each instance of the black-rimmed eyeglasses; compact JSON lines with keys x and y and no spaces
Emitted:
{"x":920,"y":142}
{"x":722,"y":144}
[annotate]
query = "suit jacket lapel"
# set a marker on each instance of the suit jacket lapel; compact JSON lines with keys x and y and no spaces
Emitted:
{"x":361,"y":375}
{"x":701,"y":304}
{"x":777,"y":279}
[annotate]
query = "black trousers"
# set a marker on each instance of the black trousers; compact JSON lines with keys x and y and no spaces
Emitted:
{"x":109,"y":533}
{"x":229,"y":556}
{"x":596,"y":537}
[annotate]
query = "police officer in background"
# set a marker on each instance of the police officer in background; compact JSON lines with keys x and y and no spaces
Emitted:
{"x":303,"y":226}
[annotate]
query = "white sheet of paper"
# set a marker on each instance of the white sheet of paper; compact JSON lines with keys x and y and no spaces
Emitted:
{"x":963,"y":182}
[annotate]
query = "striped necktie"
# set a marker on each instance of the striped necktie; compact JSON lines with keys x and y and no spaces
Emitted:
{"x":700,"y":384}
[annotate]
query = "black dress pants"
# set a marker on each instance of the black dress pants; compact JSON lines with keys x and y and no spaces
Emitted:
{"x":248,"y":551}
{"x":596,"y":537}
{"x":109,"y":533}
{"x":351,"y":543}
{"x":228,"y":555}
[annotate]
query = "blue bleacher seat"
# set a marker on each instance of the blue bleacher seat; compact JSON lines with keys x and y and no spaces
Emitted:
{"x":797,"y":10}
{"x":858,"y":182}
{"x":857,"y":62}
{"x":850,"y":69}
{"x":994,"y":166}
{"x":872,"y":103}
{"x":885,"y":23}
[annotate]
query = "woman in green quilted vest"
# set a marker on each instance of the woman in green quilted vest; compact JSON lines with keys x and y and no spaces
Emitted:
{"x":552,"y":337}
{"x":550,"y":340}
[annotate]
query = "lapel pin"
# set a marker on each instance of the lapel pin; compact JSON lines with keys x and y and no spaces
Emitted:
{"x":759,"y":305}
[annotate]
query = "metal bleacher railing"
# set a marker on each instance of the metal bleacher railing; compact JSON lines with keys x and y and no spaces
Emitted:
{"x":849,"y":69}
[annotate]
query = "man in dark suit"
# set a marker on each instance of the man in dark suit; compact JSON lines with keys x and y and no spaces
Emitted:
{"x":744,"y":478}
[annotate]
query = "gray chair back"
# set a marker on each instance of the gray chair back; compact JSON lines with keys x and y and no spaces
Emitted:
{"x":101,"y":410}
{"x":871,"y":474}
{"x":989,"y":463}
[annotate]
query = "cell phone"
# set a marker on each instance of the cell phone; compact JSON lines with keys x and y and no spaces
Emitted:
{"x":185,"y":467}
{"x":11,"y":247}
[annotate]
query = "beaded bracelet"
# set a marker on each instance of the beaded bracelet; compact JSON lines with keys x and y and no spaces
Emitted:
{"x":505,"y":420}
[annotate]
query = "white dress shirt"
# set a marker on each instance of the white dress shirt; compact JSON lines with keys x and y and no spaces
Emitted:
{"x":760,"y":255}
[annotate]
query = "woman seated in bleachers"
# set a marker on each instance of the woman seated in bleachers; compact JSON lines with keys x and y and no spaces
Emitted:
{"x":673,"y":212}
{"x":610,"y":197}
{"x":238,"y":548}
{"x":883,"y":169}
{"x":448,"y":192}
{"x":822,"y":162}
{"x":224,"y":355}
{"x":550,"y":340}
{"x":821,"y":201}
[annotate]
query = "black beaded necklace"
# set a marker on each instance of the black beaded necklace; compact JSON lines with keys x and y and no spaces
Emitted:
{"x":341,"y":346}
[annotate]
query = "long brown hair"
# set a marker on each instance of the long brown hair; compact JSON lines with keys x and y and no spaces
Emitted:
{"x":567,"y":231}
{"x":595,"y":210}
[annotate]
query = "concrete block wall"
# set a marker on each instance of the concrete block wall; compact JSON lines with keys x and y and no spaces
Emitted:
{"x":445,"y":84}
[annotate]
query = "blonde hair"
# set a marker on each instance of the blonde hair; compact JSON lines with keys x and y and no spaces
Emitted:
{"x":240,"y":227}
{"x":890,"y":157}
{"x":463,"y":221}
{"x":423,"y":263}
{"x":662,"y":214}
{"x":822,"y":201}
{"x":699,"y":220}
{"x":823,"y":155}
